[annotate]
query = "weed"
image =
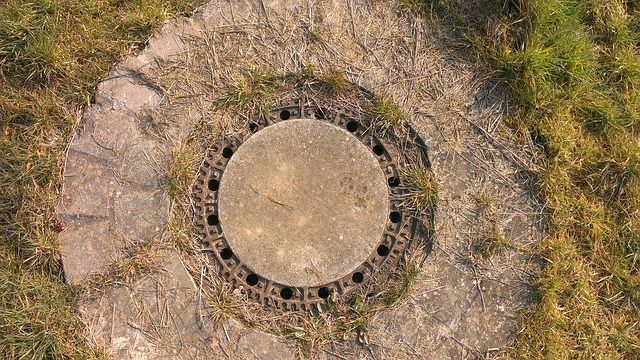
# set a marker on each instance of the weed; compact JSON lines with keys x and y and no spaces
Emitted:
{"x":387,"y":115}
{"x":130,"y":265}
{"x":314,"y":36}
{"x":360,"y":310}
{"x":313,"y":333}
{"x":180,"y":172}
{"x":492,"y":243}
{"x":251,"y":91}
{"x":303,"y":77}
{"x":422,"y":5}
{"x":485,"y":203}
{"x":223,"y":304}
{"x":408,"y":275}
{"x":178,"y":234}
{"x":335,"y":83}
{"x":422,"y":189}
{"x":133,"y":265}
{"x":318,"y":17}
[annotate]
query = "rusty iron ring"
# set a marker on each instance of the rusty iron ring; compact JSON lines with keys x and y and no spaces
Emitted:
{"x":402,"y":228}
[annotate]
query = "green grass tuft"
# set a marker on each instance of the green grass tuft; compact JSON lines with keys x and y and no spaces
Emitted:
{"x":303,"y":77}
{"x":180,"y":172}
{"x":129,"y":266}
{"x":492,"y":243}
{"x":408,"y":275}
{"x":250,"y":91}
{"x":387,"y":116}
{"x":336,"y":83}
{"x":422,"y":187}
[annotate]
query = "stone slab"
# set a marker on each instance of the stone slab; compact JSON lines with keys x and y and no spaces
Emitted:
{"x":161,"y":317}
{"x":93,"y":250}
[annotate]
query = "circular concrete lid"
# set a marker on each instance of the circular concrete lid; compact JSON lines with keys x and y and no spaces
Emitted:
{"x":303,"y":202}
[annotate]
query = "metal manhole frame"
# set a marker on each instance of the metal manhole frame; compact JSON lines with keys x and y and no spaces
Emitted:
{"x":385,"y":257}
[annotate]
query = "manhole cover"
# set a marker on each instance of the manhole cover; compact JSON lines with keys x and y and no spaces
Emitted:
{"x":306,"y":207}
{"x":323,"y":193}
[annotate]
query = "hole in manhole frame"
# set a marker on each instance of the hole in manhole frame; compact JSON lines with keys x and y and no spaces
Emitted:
{"x":227,"y":152}
{"x":252,"y":279}
{"x":378,"y":150}
{"x":285,"y":115}
{"x":286,"y":293}
{"x":382,"y":250}
{"x":324,"y":292}
{"x":213,"y":184}
{"x":357,"y":277}
{"x":352,"y":126}
{"x":213,"y":219}
{"x":226,"y":253}
{"x":396,"y":238}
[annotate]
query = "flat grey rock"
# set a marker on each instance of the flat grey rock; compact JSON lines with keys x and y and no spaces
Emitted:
{"x":161,"y":316}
